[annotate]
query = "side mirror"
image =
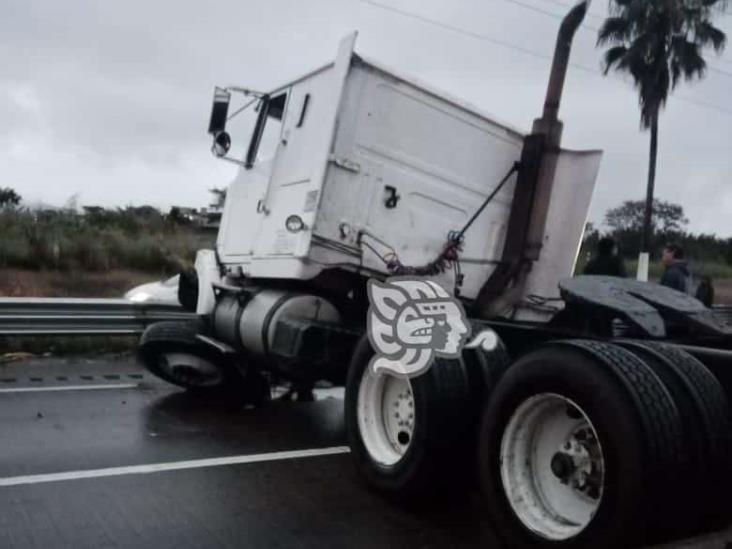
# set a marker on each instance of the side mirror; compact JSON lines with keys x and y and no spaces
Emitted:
{"x":221,"y":144}
{"x":219,"y":112}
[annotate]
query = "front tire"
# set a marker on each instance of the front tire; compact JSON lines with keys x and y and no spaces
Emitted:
{"x":171,"y":351}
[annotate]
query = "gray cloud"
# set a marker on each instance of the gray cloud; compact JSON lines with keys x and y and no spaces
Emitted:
{"x":111,"y":99}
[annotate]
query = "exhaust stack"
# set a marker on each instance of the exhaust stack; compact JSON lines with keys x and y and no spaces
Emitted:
{"x":560,"y":63}
{"x":527,"y":222}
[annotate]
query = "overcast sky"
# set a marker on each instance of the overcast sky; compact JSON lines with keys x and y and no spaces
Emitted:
{"x":109,"y":100}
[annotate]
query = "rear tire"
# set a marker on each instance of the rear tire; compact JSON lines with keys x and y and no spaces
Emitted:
{"x":705,"y":482}
{"x":578,"y":447}
{"x":409,"y":437}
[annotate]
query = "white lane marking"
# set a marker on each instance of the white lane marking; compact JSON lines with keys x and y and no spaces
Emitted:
{"x":172,"y":466}
{"x":70,"y":388}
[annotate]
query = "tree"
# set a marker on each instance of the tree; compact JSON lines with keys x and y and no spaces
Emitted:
{"x":659,"y":42}
{"x":72,"y":203}
{"x":630,"y":216}
{"x":177,"y":216}
{"x":8,"y":197}
{"x":627,"y":223}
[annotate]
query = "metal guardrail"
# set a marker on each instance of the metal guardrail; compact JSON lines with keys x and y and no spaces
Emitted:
{"x":81,"y":316}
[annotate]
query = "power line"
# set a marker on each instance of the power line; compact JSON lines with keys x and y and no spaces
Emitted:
{"x":525,"y":51}
{"x":551,"y":14}
{"x":721,"y":59}
{"x":703,"y":104}
{"x":459,"y":30}
{"x":719,"y":71}
{"x":597,"y":16}
{"x":559,"y":16}
{"x":570,"y":6}
{"x":555,"y":15}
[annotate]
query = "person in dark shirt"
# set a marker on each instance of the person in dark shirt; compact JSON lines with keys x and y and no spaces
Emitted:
{"x":606,"y":260}
{"x":705,"y":291}
{"x":676,"y":273}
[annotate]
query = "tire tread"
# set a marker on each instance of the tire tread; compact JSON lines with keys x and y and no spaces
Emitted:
{"x":658,"y":411}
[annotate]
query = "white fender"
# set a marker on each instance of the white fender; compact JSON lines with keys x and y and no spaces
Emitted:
{"x":207,"y":269}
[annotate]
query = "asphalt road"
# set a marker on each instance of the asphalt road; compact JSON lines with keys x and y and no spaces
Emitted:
{"x":99,"y":454}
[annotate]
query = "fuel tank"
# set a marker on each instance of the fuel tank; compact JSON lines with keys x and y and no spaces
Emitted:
{"x":248,"y":320}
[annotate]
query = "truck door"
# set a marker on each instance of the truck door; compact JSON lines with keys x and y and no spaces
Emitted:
{"x":244,"y":209}
{"x":288,"y":159}
{"x":302,"y":157}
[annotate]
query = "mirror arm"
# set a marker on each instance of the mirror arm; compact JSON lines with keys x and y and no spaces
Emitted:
{"x":241,"y":109}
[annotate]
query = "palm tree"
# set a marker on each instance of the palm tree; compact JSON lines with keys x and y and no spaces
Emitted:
{"x":659,"y":42}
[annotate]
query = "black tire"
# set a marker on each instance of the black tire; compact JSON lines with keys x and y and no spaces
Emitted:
{"x":705,"y":482}
{"x":180,"y":337}
{"x":636,"y":422}
{"x":447,"y":400}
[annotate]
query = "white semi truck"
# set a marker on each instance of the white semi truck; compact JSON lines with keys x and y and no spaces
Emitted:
{"x":600,"y":417}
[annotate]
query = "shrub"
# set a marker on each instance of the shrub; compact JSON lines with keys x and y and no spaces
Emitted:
{"x":134,"y":237}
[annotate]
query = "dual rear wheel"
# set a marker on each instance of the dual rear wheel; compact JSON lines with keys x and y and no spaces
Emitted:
{"x":580,"y":443}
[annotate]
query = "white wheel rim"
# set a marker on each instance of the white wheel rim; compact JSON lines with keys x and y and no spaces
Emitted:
{"x":190,"y":369}
{"x":552,"y":466}
{"x":386,"y":415}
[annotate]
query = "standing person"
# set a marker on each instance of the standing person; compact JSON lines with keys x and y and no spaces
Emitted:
{"x":606,"y":260}
{"x":676,"y":273}
{"x":705,"y":291}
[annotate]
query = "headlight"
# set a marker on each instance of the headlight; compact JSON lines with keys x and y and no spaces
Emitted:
{"x":294,"y":224}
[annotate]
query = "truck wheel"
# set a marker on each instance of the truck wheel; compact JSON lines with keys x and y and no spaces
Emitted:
{"x":412,"y":436}
{"x":703,"y":408}
{"x":578,"y":447}
{"x":171,"y":351}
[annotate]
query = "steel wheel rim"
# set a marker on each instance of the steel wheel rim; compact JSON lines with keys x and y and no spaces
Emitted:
{"x":552,"y":466}
{"x":386,"y":416}
{"x":190,"y":370}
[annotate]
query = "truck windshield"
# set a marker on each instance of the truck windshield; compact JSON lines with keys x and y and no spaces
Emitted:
{"x":267,"y":130}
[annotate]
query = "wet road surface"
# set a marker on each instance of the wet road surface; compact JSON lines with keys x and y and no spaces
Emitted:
{"x":215,"y":475}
